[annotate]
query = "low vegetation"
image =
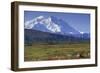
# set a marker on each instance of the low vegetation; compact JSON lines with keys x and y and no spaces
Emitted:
{"x":41,"y":52}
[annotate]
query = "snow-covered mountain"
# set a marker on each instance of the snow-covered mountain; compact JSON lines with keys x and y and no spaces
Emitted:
{"x":46,"y":22}
{"x":52,"y":30}
{"x":50,"y":24}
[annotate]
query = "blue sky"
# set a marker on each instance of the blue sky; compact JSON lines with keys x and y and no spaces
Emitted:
{"x":78,"y":21}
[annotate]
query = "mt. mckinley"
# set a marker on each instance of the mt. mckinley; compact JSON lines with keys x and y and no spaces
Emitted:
{"x":50,"y":24}
{"x":48,"y":29}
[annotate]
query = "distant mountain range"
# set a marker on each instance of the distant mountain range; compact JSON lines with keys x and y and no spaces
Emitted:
{"x":35,"y":36}
{"x":48,"y":29}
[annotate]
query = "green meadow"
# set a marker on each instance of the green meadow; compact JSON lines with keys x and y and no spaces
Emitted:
{"x":42,"y":52}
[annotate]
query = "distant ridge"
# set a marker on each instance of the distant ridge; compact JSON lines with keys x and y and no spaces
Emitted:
{"x":33,"y":36}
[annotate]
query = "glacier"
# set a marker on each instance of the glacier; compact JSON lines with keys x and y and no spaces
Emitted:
{"x":47,"y":22}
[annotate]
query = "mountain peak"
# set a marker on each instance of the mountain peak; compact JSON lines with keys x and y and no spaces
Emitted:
{"x":47,"y":22}
{"x":50,"y":24}
{"x":40,"y":17}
